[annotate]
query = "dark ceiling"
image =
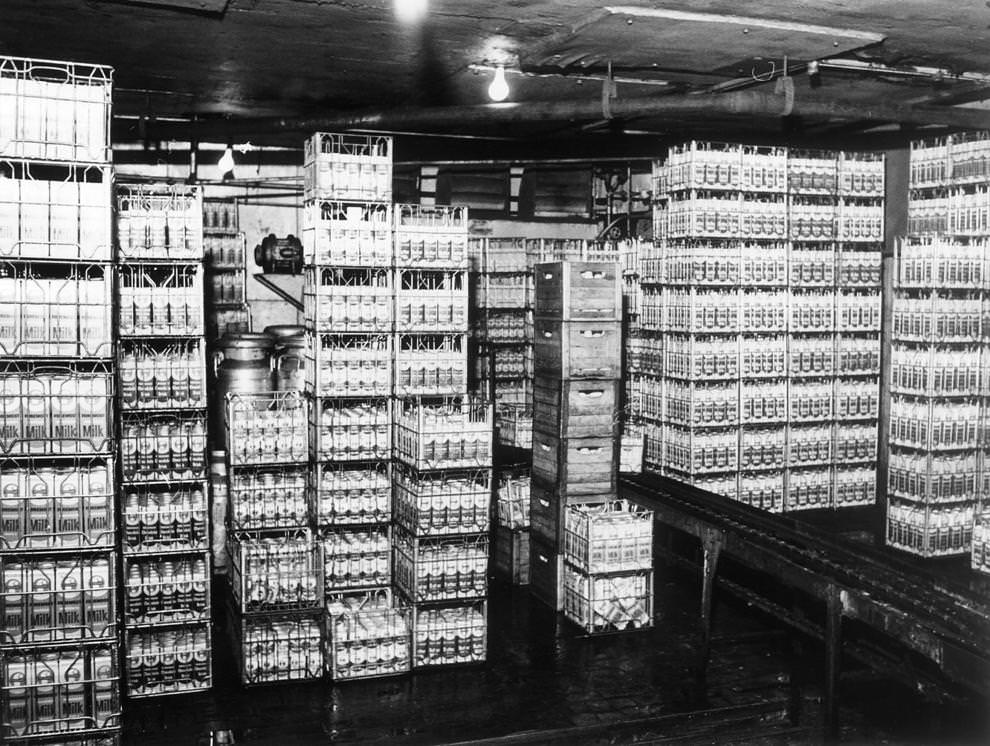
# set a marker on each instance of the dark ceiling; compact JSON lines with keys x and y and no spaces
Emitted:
{"x":274,"y":69}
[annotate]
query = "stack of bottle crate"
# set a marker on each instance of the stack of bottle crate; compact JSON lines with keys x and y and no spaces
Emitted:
{"x":762,"y":300}
{"x":349,"y":315}
{"x":937,"y":475}
{"x":510,"y":551}
{"x":162,"y":406}
{"x":226,"y":271}
{"x":59,"y":650}
{"x":575,"y":407}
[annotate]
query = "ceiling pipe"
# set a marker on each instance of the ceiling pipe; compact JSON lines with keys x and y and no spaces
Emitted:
{"x":747,"y":103}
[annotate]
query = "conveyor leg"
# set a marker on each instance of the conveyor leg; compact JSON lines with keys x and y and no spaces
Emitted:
{"x":711,"y":545}
{"x":833,"y":663}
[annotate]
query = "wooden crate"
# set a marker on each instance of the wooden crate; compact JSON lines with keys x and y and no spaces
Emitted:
{"x":575,"y":466}
{"x":547,"y":506}
{"x":577,"y":349}
{"x":512,"y":555}
{"x":573,"y":291}
{"x":585,"y":408}
{"x":546,"y":567}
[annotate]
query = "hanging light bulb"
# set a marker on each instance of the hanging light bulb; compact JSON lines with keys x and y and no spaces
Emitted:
{"x":411,"y":11}
{"x":226,"y":162}
{"x":499,"y":89}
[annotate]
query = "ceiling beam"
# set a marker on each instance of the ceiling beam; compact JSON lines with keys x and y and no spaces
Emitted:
{"x":765,"y":103}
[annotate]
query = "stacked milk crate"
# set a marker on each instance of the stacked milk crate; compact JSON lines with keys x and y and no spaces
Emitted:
{"x":349,"y":312}
{"x":226,"y":270}
{"x":510,"y":547}
{"x":442,"y":478}
{"x":59,"y":680}
{"x":573,"y":498}
{"x":763,"y":303}
{"x":162,"y":406}
{"x":937,"y":477}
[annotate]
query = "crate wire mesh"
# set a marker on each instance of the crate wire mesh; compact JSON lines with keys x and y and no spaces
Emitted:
{"x":441,"y":569}
{"x":608,"y":537}
{"x":165,"y":448}
{"x":442,"y":503}
{"x":431,"y":301}
{"x":430,"y":364}
{"x":166,"y":589}
{"x":268,"y":498}
{"x":276,"y":573}
{"x":165,"y":519}
{"x":512,"y":496}
{"x":55,"y":311}
{"x":278,"y":647}
{"x":433,"y":236}
{"x":356,"y":557}
{"x":454,"y":434}
{"x":156,"y":375}
{"x":368,"y":635}
{"x":267,"y":428}
{"x":611,"y":602}
{"x":160,"y":301}
{"x":57,"y":599}
{"x":344,"y":496}
{"x":69,"y":505}
{"x":159,"y":222}
{"x":349,"y":364}
{"x":347,"y":234}
{"x":348,"y":299}
{"x":450,"y":635}
{"x":351,"y":430}
{"x":168,"y":661}
{"x":348,"y":166}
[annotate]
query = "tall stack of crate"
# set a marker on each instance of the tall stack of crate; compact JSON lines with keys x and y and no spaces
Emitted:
{"x":937,"y":476}
{"x":226,"y":271}
{"x":59,"y":651}
{"x":575,"y":406}
{"x":631,"y":439}
{"x":761,"y":302}
{"x":165,"y":539}
{"x":511,"y":538}
{"x":349,"y":315}
{"x":442,"y":473}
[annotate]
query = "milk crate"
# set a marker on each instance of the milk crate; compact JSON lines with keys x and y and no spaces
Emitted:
{"x":54,"y":110}
{"x":511,"y":555}
{"x":808,"y":489}
{"x":54,"y":600}
{"x":442,"y":503}
{"x":726,"y":485}
{"x":506,"y":255}
{"x":55,"y":410}
{"x":931,"y":531}
{"x":860,"y":269}
{"x":269,"y":648}
{"x":857,"y":399}
{"x":342,"y":496}
{"x":430,"y":301}
{"x":514,"y":425}
{"x":854,"y":485}
{"x":449,"y":635}
{"x":713,"y":165}
{"x":763,"y":311}
{"x":577,"y":349}
{"x":696,"y":311}
{"x":857,"y":355}
{"x":631,"y":450}
{"x":356,"y":557}
{"x":159,"y":221}
{"x":855,"y":442}
{"x":349,"y":364}
{"x":68,"y":693}
{"x":695,"y":453}
{"x":68,"y":218}
{"x":160,"y":300}
{"x":858,"y":311}
{"x":612,"y":602}
{"x":608,"y":537}
{"x":272,"y":498}
{"x":155,"y":375}
{"x":348,"y":166}
{"x":811,"y":172}
{"x":810,"y":401}
{"x":763,"y":490}
{"x":698,"y":358}
{"x":704,"y":404}
{"x":504,"y":292}
{"x":347,"y":234}
{"x":811,"y":356}
{"x":368,"y":635}
{"x":441,"y":569}
{"x":348,"y":299}
{"x":810,"y":445}
{"x":577,"y":466}
{"x":344,"y":430}
{"x":860,"y":219}
{"x":431,"y":364}
{"x":268,"y":428}
{"x":585,"y":408}
{"x":578,"y":291}
{"x":431,"y":236}
{"x":167,"y":661}
{"x":276,"y":573}
{"x":454,"y":434}
{"x":937,"y":477}
{"x":163,"y":447}
{"x":512,"y":493}
{"x":166,"y":589}
{"x":50,"y":507}
{"x":811,"y":312}
{"x":168,"y":518}
{"x":980,"y":556}
{"x":546,"y":572}
{"x":762,"y":447}
{"x":55,"y":311}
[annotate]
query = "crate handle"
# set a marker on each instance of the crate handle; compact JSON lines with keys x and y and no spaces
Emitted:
{"x":548,"y":275}
{"x":589,"y":274}
{"x":589,"y":449}
{"x":543,"y":558}
{"x":593,"y":333}
{"x":547,"y":335}
{"x":544,"y":503}
{"x":544,"y":446}
{"x":592,"y":393}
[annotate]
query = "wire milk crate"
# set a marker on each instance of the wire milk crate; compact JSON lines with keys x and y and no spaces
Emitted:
{"x":157,"y":375}
{"x":343,"y":299}
{"x":68,"y":505}
{"x":608,"y":537}
{"x":341,"y":496}
{"x":349,"y":365}
{"x":276,"y":573}
{"x":166,"y":589}
{"x":169,"y":661}
{"x":160,"y":301}
{"x":442,"y":503}
{"x":278,"y":647}
{"x":441,"y":569}
{"x":450,"y":635}
{"x":55,"y":410}
{"x":168,"y":448}
{"x":602,"y":603}
{"x":71,"y":693}
{"x":931,"y":531}
{"x":268,"y":428}
{"x":367,"y":635}
{"x":159,"y":222}
{"x":935,"y":477}
{"x":351,"y":430}
{"x":53,"y":600}
{"x":348,"y":166}
{"x":356,"y":557}
{"x":267,"y":498}
{"x":347,"y":234}
{"x":431,"y":364}
{"x":55,"y":111}
{"x":431,"y":236}
{"x":457,"y":433}
{"x":64,"y":215}
{"x":165,"y":519}
{"x":429,"y":301}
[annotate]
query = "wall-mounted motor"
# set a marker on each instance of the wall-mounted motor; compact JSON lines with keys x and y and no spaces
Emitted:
{"x":279,"y":256}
